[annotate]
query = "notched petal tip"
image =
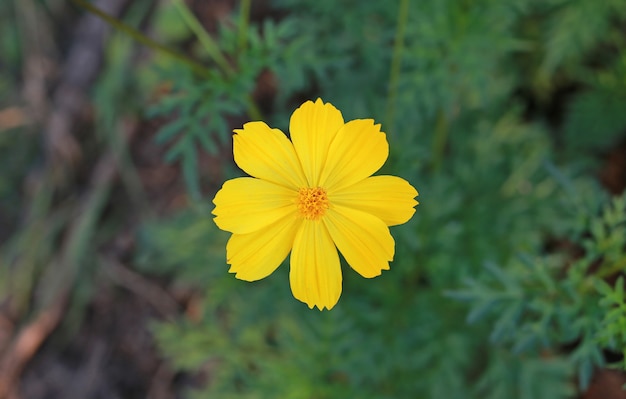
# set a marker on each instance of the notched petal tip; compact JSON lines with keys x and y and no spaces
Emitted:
{"x":321,"y":306}
{"x":324,"y":307}
{"x":241,"y":276}
{"x":317,"y":105}
{"x":318,"y":101}
{"x":390,"y":198}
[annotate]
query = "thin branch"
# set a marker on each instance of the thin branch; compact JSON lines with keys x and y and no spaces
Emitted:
{"x":141,"y":38}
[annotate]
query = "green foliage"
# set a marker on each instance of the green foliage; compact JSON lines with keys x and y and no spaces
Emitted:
{"x":554,"y":302}
{"x":510,"y":376}
{"x":201,"y":111}
{"x":613,"y":328}
{"x":595,"y":24}
{"x":201,"y":104}
{"x":479,"y":303}
{"x":346,"y":61}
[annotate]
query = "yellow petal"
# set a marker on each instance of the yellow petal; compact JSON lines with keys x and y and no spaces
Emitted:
{"x":245,"y":204}
{"x":315,"y":272}
{"x":358,"y":150}
{"x":312,"y":128}
{"x":267,"y":154}
{"x":254,"y":256}
{"x":390,"y":198}
{"x":363,"y":239}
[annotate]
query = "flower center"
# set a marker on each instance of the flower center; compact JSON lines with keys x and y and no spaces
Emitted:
{"x":312,"y":202}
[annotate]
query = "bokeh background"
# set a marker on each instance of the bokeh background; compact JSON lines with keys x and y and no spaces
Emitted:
{"x":508,"y":116}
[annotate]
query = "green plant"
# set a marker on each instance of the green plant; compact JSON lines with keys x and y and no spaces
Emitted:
{"x":495,"y":191}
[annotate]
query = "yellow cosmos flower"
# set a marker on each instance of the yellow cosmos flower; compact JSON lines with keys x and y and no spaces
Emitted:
{"x":310,"y":196}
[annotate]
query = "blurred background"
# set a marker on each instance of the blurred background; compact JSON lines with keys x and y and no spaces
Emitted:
{"x":508,"y":116}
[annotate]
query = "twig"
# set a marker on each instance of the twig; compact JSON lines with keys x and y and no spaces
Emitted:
{"x":140,"y":37}
{"x":396,"y":59}
{"x":212,"y":49}
{"x":27,"y":343}
{"x":12,"y":117}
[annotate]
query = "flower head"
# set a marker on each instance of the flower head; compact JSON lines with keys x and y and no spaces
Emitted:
{"x":311,"y":196}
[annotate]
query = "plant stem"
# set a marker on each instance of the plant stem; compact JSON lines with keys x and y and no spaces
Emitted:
{"x":195,"y":26}
{"x":205,"y":39}
{"x":244,"y":18}
{"x":141,"y":38}
{"x":396,"y":58}
{"x":440,"y":139}
{"x":242,"y":41}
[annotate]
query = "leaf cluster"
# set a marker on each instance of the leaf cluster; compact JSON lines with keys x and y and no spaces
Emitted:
{"x":561,"y":304}
{"x":199,"y":105}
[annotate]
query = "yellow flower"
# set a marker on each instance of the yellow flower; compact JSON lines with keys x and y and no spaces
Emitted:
{"x":310,"y":196}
